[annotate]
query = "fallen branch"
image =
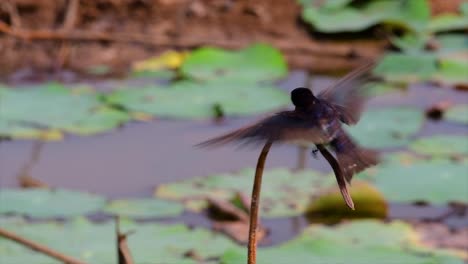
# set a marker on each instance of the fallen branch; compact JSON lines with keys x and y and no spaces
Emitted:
{"x":252,"y":246}
{"x":40,"y":248}
{"x":338,"y":174}
{"x":360,"y":48}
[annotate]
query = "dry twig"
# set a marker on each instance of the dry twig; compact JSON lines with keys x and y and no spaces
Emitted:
{"x":38,"y":247}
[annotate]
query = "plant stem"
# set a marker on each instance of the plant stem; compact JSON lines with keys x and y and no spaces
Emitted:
{"x":252,"y":246}
{"x":338,"y":174}
{"x":38,"y":247}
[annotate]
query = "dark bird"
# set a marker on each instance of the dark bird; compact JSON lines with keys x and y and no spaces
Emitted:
{"x":317,"y":120}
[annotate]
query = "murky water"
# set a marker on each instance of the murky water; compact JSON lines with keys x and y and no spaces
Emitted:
{"x":139,"y":156}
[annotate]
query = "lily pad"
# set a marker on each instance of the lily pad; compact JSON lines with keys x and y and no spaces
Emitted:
{"x":458,"y":113}
{"x":410,"y":15}
{"x":407,"y":67}
{"x":175,"y":244}
{"x":259,"y":62}
{"x":27,"y":111}
{"x":144,"y":208}
{"x":161,"y":67}
{"x":387,"y":127}
{"x":95,"y":243}
{"x":101,"y":120}
{"x":44,"y":203}
{"x":452,"y":71}
{"x":450,"y":21}
{"x":186,"y":99}
{"x":79,"y":239}
{"x":329,"y":207}
{"x":284,"y":193}
{"x":346,"y":244}
{"x":432,"y":181}
{"x":450,"y":43}
{"x":15,"y":130}
{"x":441,"y":145}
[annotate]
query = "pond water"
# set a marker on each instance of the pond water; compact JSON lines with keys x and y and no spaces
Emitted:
{"x":130,"y":162}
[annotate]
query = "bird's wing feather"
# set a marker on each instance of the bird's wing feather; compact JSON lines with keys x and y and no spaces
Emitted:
{"x":283,"y":126}
{"x":347,"y":96}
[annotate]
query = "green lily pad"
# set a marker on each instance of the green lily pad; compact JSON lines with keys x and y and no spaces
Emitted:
{"x":329,"y":206}
{"x":79,"y":239}
{"x":411,"y":15}
{"x":101,"y":120}
{"x":347,"y":244}
{"x":284,"y":193}
{"x":258,"y":62}
{"x":458,"y":113}
{"x":452,"y":42}
{"x":387,"y":127}
{"x":172,"y":243}
{"x":433,"y":181}
{"x":450,"y":21}
{"x":95,"y":243}
{"x":441,"y":145}
{"x":452,"y":71}
{"x":187,"y":99}
{"x":411,"y":42}
{"x":144,"y":208}
{"x":43,"y":203}
{"x":16,"y":130}
{"x":25,"y":112}
{"x":407,"y":67}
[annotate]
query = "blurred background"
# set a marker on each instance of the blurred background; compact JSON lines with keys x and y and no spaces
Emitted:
{"x":102,"y":102}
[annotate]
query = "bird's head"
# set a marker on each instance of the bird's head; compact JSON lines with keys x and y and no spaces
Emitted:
{"x":302,"y":97}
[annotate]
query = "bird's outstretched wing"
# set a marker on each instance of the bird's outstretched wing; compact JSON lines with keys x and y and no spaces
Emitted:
{"x":347,"y":94}
{"x":284,"y":126}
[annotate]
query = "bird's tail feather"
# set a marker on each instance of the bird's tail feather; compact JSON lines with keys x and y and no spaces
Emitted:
{"x":352,"y":158}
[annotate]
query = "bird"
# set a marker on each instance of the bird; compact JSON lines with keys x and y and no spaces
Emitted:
{"x":317,"y":121}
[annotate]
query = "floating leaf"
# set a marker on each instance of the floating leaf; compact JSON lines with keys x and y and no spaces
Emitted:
{"x":411,"y":15}
{"x":144,"y":208}
{"x":369,"y":203}
{"x":36,"y":112}
{"x":79,"y":239}
{"x":452,"y":71}
{"x":161,"y":66}
{"x":187,"y":99}
{"x":411,"y":42}
{"x":16,"y":130}
{"x":377,"y":89}
{"x":458,"y":113}
{"x":99,"y":121}
{"x":168,"y":60}
{"x":387,"y":127}
{"x":284,"y":193}
{"x":175,"y":244}
{"x":441,"y":145}
{"x":407,"y":67}
{"x":44,"y":203}
{"x":347,"y":244}
{"x":450,"y":43}
{"x":95,"y":243}
{"x":256,"y":63}
{"x":448,"y":22}
{"x":433,"y":181}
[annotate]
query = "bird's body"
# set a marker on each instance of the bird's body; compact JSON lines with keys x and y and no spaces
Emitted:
{"x":316,"y":120}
